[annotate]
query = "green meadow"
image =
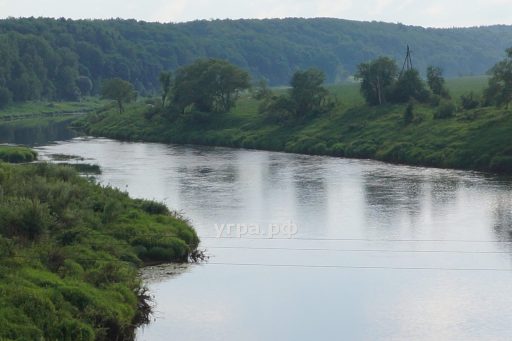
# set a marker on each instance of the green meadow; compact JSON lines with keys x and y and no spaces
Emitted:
{"x":477,"y":139}
{"x":70,"y":251}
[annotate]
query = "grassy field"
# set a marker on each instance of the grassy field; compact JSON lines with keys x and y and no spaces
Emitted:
{"x":70,"y":252}
{"x":36,"y":110}
{"x":476,"y":139}
{"x":17,"y":154}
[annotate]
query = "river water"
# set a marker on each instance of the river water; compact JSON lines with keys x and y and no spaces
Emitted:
{"x":320,"y":248}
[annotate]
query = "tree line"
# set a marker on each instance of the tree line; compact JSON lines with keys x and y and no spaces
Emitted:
{"x":210,"y":86}
{"x":59,"y":59}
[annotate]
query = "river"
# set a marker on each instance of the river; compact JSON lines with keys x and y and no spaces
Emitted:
{"x":320,"y":248}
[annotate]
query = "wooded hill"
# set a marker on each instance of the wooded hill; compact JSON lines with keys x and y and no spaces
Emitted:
{"x":63,"y":59}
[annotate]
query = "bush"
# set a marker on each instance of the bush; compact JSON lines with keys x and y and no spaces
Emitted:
{"x":469,"y":101}
{"x":446,"y":110}
{"x":501,"y":164}
{"x":25,"y":218}
{"x":17,"y":154}
{"x":338,"y":149}
{"x":409,"y":114}
{"x":361,"y":149}
{"x":153,"y":207}
{"x":319,"y":149}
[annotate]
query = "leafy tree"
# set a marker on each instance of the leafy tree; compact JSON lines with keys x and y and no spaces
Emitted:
{"x":84,"y":84}
{"x":377,"y":78}
{"x":499,"y":90}
{"x":436,"y":81}
{"x":308,"y":93}
{"x":209,"y":85}
{"x":118,"y":90}
{"x":166,"y":85}
{"x":262,"y":91}
{"x":5,"y":97}
{"x":409,"y":86}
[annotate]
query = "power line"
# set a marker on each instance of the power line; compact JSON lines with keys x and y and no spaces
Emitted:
{"x":365,"y":240}
{"x":350,"y":267}
{"x":353,"y":250}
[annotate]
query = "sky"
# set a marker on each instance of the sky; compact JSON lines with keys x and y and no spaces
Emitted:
{"x":427,"y":13}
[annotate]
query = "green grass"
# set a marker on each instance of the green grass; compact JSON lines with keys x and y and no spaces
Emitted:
{"x":476,"y":139}
{"x":32,"y":110}
{"x":17,"y":154}
{"x":70,"y":252}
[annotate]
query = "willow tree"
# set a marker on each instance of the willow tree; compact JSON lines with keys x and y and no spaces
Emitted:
{"x":118,"y":90}
{"x":209,"y":85}
{"x":377,"y":78}
{"x":499,"y":91}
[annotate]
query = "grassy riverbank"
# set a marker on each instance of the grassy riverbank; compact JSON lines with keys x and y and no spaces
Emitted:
{"x":476,"y":139}
{"x":70,"y":252}
{"x":16,"y":154}
{"x":41,"y":110}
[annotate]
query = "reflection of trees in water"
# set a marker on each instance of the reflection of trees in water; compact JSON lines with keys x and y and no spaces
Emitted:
{"x":443,"y":192}
{"x":388,"y":195}
{"x":36,"y":135}
{"x":309,"y":182}
{"x":502,"y":214}
{"x":310,"y":193}
{"x":212,"y":185}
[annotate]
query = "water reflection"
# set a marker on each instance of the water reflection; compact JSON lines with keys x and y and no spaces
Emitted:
{"x":368,"y":232}
{"x":30,"y":134}
{"x":503,"y":217}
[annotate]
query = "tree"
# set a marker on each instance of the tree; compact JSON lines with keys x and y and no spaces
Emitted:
{"x":209,"y":85}
{"x":436,"y":81}
{"x":166,"y":85}
{"x":308,"y":92}
{"x":377,"y":78}
{"x":84,"y":84}
{"x":499,"y":90}
{"x":409,"y":86}
{"x":5,"y":97}
{"x":118,"y":90}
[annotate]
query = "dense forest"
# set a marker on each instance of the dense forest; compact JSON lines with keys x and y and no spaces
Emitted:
{"x":64,"y":59}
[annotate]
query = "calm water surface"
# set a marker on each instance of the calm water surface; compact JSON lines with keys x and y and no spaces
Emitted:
{"x":381,"y":252}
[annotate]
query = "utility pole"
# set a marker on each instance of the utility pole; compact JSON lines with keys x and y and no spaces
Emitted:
{"x":408,"y":62}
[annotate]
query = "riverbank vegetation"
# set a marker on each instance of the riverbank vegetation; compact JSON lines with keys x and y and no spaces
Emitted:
{"x":70,"y":252}
{"x":394,"y":117}
{"x":17,"y":154}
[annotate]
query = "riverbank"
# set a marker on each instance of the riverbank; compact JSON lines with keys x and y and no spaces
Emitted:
{"x":476,"y":139}
{"x":70,"y":253}
{"x":16,"y":154}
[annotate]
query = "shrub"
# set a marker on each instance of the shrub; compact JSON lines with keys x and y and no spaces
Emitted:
{"x":469,"y":101}
{"x":361,"y":149}
{"x":338,"y":149}
{"x":446,"y":110}
{"x":501,"y":164}
{"x":24,"y":218}
{"x":153,"y":207}
{"x":409,"y":114}
{"x":319,"y":149}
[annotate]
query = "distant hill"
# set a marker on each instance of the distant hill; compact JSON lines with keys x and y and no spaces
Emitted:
{"x":47,"y":54}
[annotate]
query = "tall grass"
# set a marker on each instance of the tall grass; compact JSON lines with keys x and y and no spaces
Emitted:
{"x":466,"y":139}
{"x":69,"y":253}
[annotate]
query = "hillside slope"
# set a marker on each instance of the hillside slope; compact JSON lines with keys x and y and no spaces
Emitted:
{"x":42,"y":58}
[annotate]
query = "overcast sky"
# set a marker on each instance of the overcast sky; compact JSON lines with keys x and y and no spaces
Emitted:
{"x":431,"y":13}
